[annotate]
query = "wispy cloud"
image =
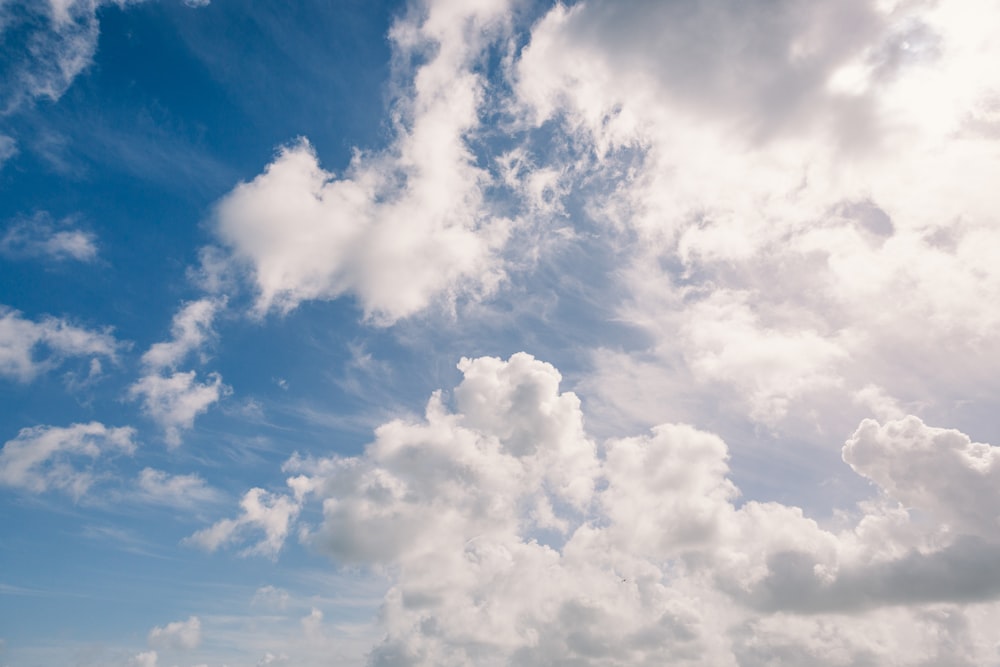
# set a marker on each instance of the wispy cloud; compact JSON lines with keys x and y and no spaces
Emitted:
{"x":52,"y":457}
{"x":54,"y":42}
{"x":41,"y":237}
{"x":28,"y":348}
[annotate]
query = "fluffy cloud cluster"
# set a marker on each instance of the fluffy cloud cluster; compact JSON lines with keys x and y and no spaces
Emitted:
{"x":512,"y":537}
{"x":28,"y":348}
{"x":401,"y":228}
{"x":173,"y":398}
{"x":46,"y":457}
{"x":264,"y":512}
{"x":811,"y":185}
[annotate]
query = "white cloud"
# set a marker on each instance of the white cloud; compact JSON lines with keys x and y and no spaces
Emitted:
{"x":401,"y":228}
{"x":54,"y":42}
{"x":40,"y":237}
{"x":270,"y":597}
{"x":272,"y":659}
{"x":191,"y":329}
{"x":8,"y":148}
{"x":642,"y":554}
{"x":28,"y":348}
{"x":174,"y":401}
{"x":47,"y":457}
{"x":312,"y":625}
{"x":777,"y":249}
{"x":264,"y":512}
{"x":144,"y":659}
{"x":940,"y":471}
{"x":161,"y":488}
{"x":184,"y":635}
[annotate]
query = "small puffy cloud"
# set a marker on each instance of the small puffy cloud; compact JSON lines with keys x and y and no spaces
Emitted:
{"x":38,"y":236}
{"x":161,"y":488}
{"x":185,"y":635}
{"x":174,"y":401}
{"x":28,"y":348}
{"x":511,"y":538}
{"x":191,"y":329}
{"x":262,"y":511}
{"x":47,"y":457}
{"x":402,"y":228}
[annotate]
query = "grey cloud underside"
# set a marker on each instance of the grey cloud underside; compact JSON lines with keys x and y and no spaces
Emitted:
{"x":965,"y":572}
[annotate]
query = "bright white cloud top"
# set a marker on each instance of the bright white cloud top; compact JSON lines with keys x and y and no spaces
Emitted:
{"x":721,"y":281}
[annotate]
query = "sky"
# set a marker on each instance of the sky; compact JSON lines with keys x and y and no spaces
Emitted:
{"x":499,"y":332}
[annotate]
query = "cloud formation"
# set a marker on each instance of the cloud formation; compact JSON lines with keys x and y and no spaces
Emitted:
{"x":174,"y":401}
{"x":184,"y":635}
{"x":49,"y":44}
{"x":800,"y":193}
{"x":940,"y":471}
{"x":49,"y":457}
{"x":144,"y":659}
{"x":262,"y":511}
{"x":39,"y":237}
{"x":512,"y":537}
{"x":28,"y":348}
{"x":190,"y":330}
{"x":172,"y":398}
{"x":161,"y":488}
{"x":400,"y":228}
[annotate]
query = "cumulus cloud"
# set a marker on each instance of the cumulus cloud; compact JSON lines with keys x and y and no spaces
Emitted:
{"x":264,"y":512}
{"x":191,"y":329}
{"x":941,"y":471}
{"x":765,"y":157}
{"x":48,"y":457}
{"x":40,"y":237}
{"x":511,"y":537}
{"x":28,"y":348}
{"x":174,"y":398}
{"x":174,"y":401}
{"x":184,"y":635}
{"x":400,"y":228}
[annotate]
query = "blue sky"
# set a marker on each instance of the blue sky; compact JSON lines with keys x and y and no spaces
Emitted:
{"x":499,"y":333}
